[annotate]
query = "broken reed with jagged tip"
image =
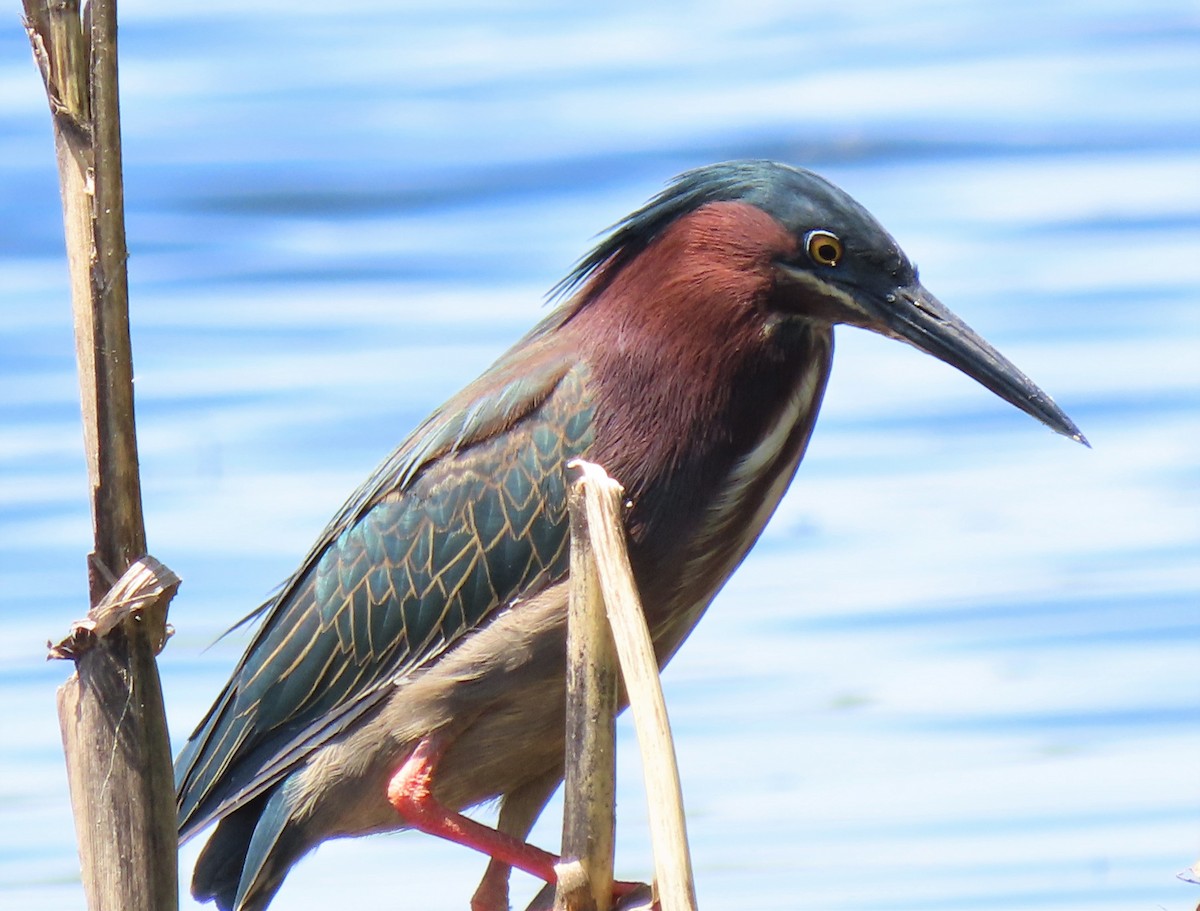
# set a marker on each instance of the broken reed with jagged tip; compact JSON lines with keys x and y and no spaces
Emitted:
{"x":118,"y":753}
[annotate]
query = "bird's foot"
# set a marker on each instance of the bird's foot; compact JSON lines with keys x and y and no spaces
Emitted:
{"x":492,"y":894}
{"x":626,"y":897}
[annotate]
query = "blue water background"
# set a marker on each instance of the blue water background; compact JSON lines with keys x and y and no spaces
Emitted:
{"x":960,"y":671}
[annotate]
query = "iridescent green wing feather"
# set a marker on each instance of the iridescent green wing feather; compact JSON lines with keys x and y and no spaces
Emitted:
{"x":467,"y":515}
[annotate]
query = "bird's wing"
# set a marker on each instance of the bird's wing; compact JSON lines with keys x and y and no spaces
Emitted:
{"x":468,"y":514}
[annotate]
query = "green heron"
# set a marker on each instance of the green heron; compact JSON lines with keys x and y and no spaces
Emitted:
{"x":413,"y":665}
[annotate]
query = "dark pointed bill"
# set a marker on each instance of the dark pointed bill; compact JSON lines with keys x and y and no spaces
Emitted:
{"x":914,"y":315}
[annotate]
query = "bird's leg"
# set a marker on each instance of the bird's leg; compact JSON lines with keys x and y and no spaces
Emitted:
{"x":411,"y":793}
{"x":518,"y":813}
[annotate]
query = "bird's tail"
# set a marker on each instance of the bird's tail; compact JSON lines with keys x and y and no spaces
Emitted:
{"x":247,"y":856}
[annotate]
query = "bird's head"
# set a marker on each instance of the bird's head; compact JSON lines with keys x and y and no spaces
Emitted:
{"x":819,"y":255}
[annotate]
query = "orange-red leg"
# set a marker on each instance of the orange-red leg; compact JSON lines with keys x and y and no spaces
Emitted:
{"x":411,"y":792}
{"x":518,"y":811}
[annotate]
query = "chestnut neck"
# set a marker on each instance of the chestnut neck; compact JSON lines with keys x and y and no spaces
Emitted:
{"x":689,"y":364}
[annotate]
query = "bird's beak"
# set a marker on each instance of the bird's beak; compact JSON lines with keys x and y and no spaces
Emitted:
{"x":913,"y":315}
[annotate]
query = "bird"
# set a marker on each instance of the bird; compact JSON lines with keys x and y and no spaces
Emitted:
{"x":413,"y":665}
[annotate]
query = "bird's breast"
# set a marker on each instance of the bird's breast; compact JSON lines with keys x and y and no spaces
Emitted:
{"x":749,"y":493}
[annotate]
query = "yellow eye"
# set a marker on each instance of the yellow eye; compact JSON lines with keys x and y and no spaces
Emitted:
{"x":824,"y":248}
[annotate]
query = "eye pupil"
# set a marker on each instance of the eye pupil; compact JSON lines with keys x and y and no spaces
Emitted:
{"x":827,"y":253}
